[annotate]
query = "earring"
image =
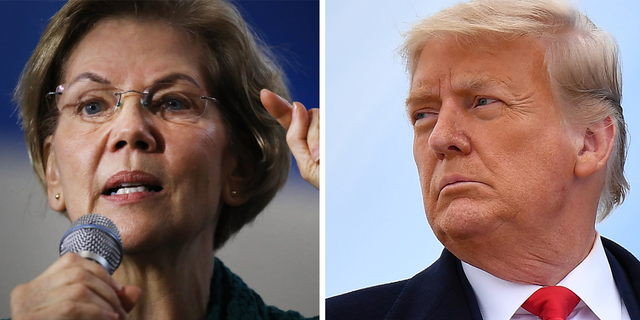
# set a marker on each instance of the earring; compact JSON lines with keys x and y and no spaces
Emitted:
{"x":233,"y":193}
{"x":57,"y":196}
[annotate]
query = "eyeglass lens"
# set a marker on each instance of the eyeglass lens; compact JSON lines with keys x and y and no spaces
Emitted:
{"x":96,"y":102}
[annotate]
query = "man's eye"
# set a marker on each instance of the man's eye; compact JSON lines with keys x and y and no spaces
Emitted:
{"x":423,"y":116}
{"x":485,"y":101}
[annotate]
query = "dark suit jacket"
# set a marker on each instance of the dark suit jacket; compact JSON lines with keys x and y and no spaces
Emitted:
{"x":442,"y":291}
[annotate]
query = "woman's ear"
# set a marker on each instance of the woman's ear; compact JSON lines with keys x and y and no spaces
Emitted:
{"x":598,"y":143}
{"x":237,"y":186}
{"x":54,"y":185}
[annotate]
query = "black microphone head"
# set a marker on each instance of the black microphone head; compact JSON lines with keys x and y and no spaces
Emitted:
{"x":96,"y":238}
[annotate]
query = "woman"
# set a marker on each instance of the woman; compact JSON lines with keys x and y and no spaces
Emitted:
{"x":150,"y":114}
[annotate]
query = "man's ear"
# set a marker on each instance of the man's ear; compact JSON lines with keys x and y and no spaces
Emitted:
{"x":52,"y":175}
{"x":237,"y":186}
{"x":598,"y":142}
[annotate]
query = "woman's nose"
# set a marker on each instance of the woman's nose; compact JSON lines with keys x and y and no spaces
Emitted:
{"x":133,"y":127}
{"x":449,"y":137}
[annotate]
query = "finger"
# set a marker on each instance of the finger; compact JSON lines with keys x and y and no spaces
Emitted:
{"x":277,"y":106}
{"x":74,"y":310}
{"x":80,"y":293}
{"x":297,"y":141}
{"x":71,"y":259}
{"x":313,"y":134}
{"x":81,"y":284}
{"x":297,"y":133}
{"x":68,"y":259}
{"x":72,"y":269}
{"x":68,"y":302}
{"x":129,"y":296}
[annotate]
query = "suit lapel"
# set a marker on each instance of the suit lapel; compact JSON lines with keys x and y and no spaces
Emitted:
{"x":626,"y":273}
{"x":441,"y":291}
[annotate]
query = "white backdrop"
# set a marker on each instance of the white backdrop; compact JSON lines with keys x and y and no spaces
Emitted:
{"x":376,"y":228}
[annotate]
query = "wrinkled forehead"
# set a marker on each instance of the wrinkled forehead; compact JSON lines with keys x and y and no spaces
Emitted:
{"x":471,"y":44}
{"x":125,"y":50}
{"x":495,"y":67}
{"x":478,"y":54}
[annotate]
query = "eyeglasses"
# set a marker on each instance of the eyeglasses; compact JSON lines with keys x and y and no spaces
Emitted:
{"x":97,"y":102}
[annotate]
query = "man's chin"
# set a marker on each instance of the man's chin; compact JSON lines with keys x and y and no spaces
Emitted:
{"x":464,"y":223}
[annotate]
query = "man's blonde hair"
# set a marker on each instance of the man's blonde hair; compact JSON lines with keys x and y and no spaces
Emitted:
{"x":581,"y":60}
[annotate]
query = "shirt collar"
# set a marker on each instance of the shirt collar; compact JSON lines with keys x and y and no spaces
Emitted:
{"x":500,"y":299}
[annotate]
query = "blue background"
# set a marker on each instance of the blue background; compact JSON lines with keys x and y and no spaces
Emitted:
{"x":290,"y":28}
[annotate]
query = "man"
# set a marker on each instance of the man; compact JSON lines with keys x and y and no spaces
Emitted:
{"x":520,"y":144}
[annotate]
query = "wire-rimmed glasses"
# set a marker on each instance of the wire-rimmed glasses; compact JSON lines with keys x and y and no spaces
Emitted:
{"x":97,"y":102}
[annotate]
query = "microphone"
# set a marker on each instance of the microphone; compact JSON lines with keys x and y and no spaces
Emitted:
{"x":96,"y":238}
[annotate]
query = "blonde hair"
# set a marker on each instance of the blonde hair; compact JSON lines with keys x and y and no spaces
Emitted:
{"x":237,"y":64}
{"x":581,"y":59}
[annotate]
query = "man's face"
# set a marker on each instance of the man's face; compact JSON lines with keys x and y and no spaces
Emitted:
{"x":494,"y":154}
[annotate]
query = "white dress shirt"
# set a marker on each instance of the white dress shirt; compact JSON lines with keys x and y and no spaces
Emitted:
{"x":591,"y":280}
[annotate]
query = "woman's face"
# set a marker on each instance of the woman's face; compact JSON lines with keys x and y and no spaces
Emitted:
{"x":177,"y":172}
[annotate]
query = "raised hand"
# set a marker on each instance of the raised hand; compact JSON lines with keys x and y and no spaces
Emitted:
{"x":303,"y":132}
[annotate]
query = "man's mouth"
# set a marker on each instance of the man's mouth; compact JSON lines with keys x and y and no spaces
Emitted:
{"x":127,"y":188}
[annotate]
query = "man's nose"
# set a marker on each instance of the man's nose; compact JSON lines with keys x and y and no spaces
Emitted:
{"x":133,"y":127}
{"x":449,"y":135}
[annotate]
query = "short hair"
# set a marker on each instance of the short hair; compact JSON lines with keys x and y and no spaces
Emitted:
{"x":238,"y":64}
{"x":581,"y":60}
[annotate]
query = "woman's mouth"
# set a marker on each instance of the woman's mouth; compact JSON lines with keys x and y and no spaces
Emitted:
{"x":131,"y":186}
{"x":128,"y":188}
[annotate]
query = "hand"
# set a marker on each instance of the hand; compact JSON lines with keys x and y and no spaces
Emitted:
{"x":73,"y":288}
{"x":303,"y":132}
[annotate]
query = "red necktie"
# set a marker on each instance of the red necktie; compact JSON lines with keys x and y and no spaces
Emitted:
{"x":552,"y":303}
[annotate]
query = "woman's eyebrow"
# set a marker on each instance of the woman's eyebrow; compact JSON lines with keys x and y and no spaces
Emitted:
{"x":177,"y":76}
{"x":91,"y":76}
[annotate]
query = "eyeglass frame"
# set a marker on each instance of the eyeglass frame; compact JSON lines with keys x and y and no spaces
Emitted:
{"x":59,"y":91}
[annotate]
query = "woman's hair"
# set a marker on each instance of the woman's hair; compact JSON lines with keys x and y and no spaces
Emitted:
{"x":581,"y":60}
{"x":237,"y":65}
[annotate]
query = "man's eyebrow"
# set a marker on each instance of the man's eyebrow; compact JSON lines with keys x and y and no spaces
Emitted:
{"x":479,"y":84}
{"x":420,"y":94}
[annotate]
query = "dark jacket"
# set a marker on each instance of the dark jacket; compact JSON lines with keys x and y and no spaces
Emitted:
{"x":442,"y":291}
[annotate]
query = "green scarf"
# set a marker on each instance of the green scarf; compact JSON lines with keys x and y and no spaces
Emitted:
{"x":232,"y":299}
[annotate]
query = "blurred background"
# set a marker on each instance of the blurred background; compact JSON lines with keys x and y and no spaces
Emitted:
{"x":277,"y":256}
{"x":376,"y":229}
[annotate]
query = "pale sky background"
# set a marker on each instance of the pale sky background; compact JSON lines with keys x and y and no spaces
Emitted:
{"x":376,"y":230}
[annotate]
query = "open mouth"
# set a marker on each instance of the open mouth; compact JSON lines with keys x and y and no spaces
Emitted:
{"x":128,"y":188}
